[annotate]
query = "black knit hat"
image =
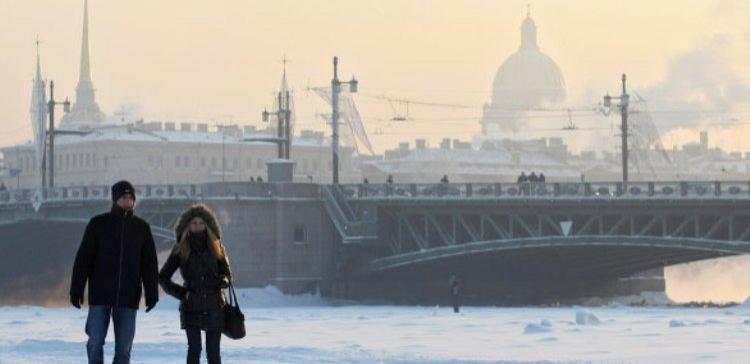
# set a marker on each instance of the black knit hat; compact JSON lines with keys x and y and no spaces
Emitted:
{"x":121,"y":188}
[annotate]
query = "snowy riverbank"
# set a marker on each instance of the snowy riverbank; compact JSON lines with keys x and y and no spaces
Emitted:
{"x":305,"y":329}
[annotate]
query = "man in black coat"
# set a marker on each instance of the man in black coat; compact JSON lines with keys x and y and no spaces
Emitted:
{"x":117,"y":258}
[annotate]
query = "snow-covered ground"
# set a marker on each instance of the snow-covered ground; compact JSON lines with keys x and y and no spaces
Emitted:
{"x":304,"y":329}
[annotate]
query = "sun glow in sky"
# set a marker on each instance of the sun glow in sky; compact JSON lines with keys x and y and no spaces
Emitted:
{"x":219,"y":61}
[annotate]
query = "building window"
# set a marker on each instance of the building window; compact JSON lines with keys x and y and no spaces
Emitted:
{"x":88,"y":159}
{"x":177,"y":161}
{"x":260,"y":163}
{"x":186,"y":162}
{"x":213,"y":162}
{"x":300,"y":234}
{"x":203,"y":162}
{"x":249,"y":163}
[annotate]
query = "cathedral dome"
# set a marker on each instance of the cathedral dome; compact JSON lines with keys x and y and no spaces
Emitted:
{"x":527,"y":79}
{"x":528,"y":76}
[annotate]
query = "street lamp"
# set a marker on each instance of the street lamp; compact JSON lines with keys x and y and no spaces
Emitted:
{"x":51,"y":132}
{"x":283,"y":139}
{"x":607,"y":108}
{"x":335,"y":91}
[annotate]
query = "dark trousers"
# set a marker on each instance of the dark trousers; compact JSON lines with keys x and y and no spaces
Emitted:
{"x":213,"y":346}
{"x":456,"y":303}
{"x":97,"y":325}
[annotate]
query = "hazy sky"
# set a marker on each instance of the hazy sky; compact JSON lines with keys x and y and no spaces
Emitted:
{"x":192,"y":60}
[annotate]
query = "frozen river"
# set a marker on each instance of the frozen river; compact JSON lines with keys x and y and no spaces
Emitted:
{"x":306,"y":330}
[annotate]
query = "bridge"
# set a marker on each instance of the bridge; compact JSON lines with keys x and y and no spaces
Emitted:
{"x":511,"y":242}
{"x":538,"y":239}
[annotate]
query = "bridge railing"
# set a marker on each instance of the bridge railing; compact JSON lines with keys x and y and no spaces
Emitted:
{"x":661,"y":189}
{"x":79,"y":193}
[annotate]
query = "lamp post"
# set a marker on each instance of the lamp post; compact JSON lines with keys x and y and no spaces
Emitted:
{"x":623,"y":107}
{"x":335,"y":91}
{"x":283,"y":114}
{"x":51,"y":131}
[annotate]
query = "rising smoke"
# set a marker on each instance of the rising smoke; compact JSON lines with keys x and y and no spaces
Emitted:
{"x":702,"y":90}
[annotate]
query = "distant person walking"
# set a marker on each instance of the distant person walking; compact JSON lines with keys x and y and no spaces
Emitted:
{"x":204,"y":266}
{"x":117,"y":257}
{"x":454,"y":284}
{"x":532,"y":187}
{"x":523,"y":183}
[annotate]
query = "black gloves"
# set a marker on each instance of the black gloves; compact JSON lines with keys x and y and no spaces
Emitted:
{"x":76,"y":300}
{"x":150,"y":305}
{"x":223,"y":281}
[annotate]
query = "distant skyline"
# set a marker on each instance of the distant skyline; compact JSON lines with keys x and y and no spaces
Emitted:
{"x":203,"y":61}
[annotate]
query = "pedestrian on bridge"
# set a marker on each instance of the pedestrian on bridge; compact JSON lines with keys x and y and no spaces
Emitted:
{"x":117,"y":257}
{"x":204,"y":266}
{"x":523,"y":183}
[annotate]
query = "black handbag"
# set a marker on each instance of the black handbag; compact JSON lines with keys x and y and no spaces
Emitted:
{"x":234,"y":319}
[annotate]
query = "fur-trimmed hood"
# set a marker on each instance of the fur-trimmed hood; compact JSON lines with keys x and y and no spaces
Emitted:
{"x":197,"y":210}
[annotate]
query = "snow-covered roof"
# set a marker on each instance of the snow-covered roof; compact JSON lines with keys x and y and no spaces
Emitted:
{"x":129,"y":133}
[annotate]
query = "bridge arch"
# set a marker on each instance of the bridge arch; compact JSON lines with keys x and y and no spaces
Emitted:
{"x":608,"y":255}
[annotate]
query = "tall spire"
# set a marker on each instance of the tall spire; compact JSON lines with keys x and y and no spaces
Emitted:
{"x":85,"y":111}
{"x":38,"y":116}
{"x":286,"y":99}
{"x":38,"y":96}
{"x":85,"y":73}
{"x":38,"y":63}
{"x":284,"y":84}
